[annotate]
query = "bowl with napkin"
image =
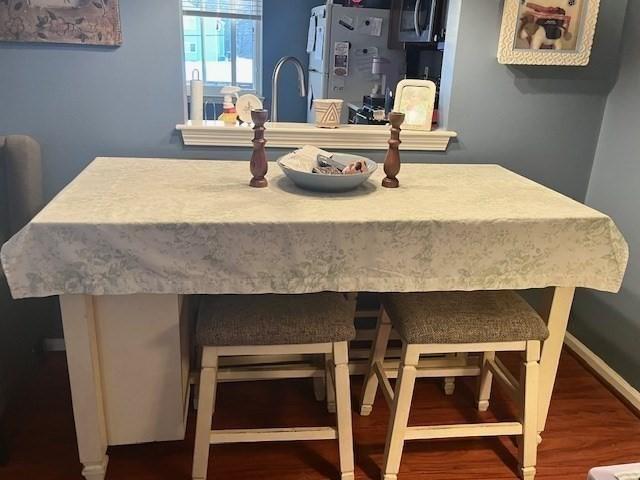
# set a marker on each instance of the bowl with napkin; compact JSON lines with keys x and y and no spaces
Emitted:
{"x":314,"y":169}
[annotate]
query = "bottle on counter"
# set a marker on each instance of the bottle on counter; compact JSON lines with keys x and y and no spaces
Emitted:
{"x":229,"y":114}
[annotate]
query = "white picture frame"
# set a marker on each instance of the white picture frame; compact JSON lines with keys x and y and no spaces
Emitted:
{"x":416,"y":99}
{"x":547,"y":32}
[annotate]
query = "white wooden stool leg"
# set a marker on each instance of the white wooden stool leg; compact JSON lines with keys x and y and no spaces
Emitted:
{"x":400,"y":411}
{"x":196,"y":387}
{"x":206,"y":400}
{"x":331,"y":392}
{"x":450,"y":382}
{"x":486,"y":378}
{"x":529,"y":379}
{"x":343,"y":407}
{"x":196,"y":394}
{"x":378,"y":351}
{"x":319,"y":387}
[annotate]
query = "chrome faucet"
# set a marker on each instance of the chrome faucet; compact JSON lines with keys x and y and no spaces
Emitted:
{"x":276,"y":78}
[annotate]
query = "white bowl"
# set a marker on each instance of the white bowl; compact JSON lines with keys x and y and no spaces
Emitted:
{"x":299,"y":171}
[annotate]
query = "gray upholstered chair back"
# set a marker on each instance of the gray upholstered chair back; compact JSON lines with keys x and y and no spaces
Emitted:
{"x":22,"y":324}
{"x":21,"y":194}
{"x":4,"y":200}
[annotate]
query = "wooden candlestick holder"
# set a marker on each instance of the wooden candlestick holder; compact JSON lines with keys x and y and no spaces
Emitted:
{"x":392,"y":160}
{"x":258,"y":163}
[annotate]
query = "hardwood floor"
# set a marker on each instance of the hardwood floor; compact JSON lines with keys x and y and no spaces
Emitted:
{"x":587,"y":427}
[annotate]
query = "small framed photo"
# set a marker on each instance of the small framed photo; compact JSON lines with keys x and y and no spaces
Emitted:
{"x":547,"y":32}
{"x":416,"y":99}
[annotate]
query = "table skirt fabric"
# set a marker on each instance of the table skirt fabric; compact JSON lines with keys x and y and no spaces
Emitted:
{"x":131,"y":226}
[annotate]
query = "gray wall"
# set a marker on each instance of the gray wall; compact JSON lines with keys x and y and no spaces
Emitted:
{"x":81,"y":102}
{"x":542,"y":122}
{"x":610,"y":324}
{"x":285,"y":26}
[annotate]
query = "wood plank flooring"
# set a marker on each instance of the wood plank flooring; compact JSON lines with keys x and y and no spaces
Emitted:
{"x":588,"y":426}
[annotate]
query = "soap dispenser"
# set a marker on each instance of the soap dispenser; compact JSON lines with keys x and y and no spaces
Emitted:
{"x":229,"y":115}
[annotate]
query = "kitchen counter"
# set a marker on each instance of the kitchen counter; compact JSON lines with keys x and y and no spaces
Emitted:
{"x":294,"y":135}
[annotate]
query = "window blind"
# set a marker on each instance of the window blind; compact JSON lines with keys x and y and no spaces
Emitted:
{"x":224,"y":8}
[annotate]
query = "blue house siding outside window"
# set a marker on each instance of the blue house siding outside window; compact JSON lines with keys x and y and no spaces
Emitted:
{"x":222,"y":41}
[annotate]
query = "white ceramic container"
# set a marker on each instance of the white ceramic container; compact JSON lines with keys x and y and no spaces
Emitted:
{"x":328,"y":112}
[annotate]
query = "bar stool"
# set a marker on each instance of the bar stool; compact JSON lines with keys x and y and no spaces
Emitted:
{"x":454,"y":322}
{"x":249,"y":325}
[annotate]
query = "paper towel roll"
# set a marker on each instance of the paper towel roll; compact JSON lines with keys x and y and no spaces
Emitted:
{"x":197,"y":99}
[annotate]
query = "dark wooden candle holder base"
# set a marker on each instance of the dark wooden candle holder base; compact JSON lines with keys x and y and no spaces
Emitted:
{"x":259,"y":165}
{"x":392,"y":160}
{"x":258,"y":182}
{"x":390,"y":182}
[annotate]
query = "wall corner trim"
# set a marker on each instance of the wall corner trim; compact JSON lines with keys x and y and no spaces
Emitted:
{"x":604,"y":372}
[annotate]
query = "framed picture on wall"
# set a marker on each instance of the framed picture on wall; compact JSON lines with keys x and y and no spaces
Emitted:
{"x":547,"y":32}
{"x":88,"y":22}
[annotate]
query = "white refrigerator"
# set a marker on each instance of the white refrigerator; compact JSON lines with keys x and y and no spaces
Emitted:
{"x":342,"y":43}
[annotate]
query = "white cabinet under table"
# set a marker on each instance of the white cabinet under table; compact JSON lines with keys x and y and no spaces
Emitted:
{"x":128,"y":360}
{"x":129,"y":239}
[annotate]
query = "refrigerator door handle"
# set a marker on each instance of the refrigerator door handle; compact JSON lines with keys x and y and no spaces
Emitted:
{"x":416,"y":18}
{"x":432,"y":19}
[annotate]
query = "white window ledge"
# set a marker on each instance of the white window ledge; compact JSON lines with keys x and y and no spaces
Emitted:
{"x":294,"y":135}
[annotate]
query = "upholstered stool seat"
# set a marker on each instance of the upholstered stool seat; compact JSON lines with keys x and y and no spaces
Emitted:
{"x":274,"y":319}
{"x":463,"y":317}
{"x":454,"y":323}
{"x":268,"y":325}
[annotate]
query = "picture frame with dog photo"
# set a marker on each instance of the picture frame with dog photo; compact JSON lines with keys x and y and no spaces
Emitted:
{"x":548,"y":32}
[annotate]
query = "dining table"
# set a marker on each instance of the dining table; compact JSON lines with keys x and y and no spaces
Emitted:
{"x":130,"y":241}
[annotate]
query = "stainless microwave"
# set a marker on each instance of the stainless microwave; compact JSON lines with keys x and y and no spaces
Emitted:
{"x":418,"y":21}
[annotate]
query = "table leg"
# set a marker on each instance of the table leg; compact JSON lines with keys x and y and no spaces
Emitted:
{"x":558,"y":317}
{"x":86,"y":388}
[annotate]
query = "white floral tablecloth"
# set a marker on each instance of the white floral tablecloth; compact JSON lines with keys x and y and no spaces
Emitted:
{"x":128,"y":225}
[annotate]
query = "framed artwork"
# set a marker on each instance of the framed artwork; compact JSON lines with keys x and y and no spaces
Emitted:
{"x":547,"y":32}
{"x":416,"y":99}
{"x":89,"y":22}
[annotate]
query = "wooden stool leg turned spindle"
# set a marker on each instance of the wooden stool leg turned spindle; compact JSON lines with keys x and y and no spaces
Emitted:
{"x":259,"y":164}
{"x":392,"y":160}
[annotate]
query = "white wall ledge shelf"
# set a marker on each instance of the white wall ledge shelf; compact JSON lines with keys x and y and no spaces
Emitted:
{"x":294,"y":135}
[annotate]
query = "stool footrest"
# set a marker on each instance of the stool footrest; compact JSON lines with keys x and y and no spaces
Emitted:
{"x":464,"y":430}
{"x":272,"y":435}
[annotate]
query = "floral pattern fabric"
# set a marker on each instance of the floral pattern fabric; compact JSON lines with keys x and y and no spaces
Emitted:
{"x":90,"y":22}
{"x":128,"y":226}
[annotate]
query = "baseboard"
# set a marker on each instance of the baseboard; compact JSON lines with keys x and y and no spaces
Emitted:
{"x":53,"y":345}
{"x":603,"y":371}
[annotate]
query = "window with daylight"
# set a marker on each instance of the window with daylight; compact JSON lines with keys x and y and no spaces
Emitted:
{"x":222,"y":40}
